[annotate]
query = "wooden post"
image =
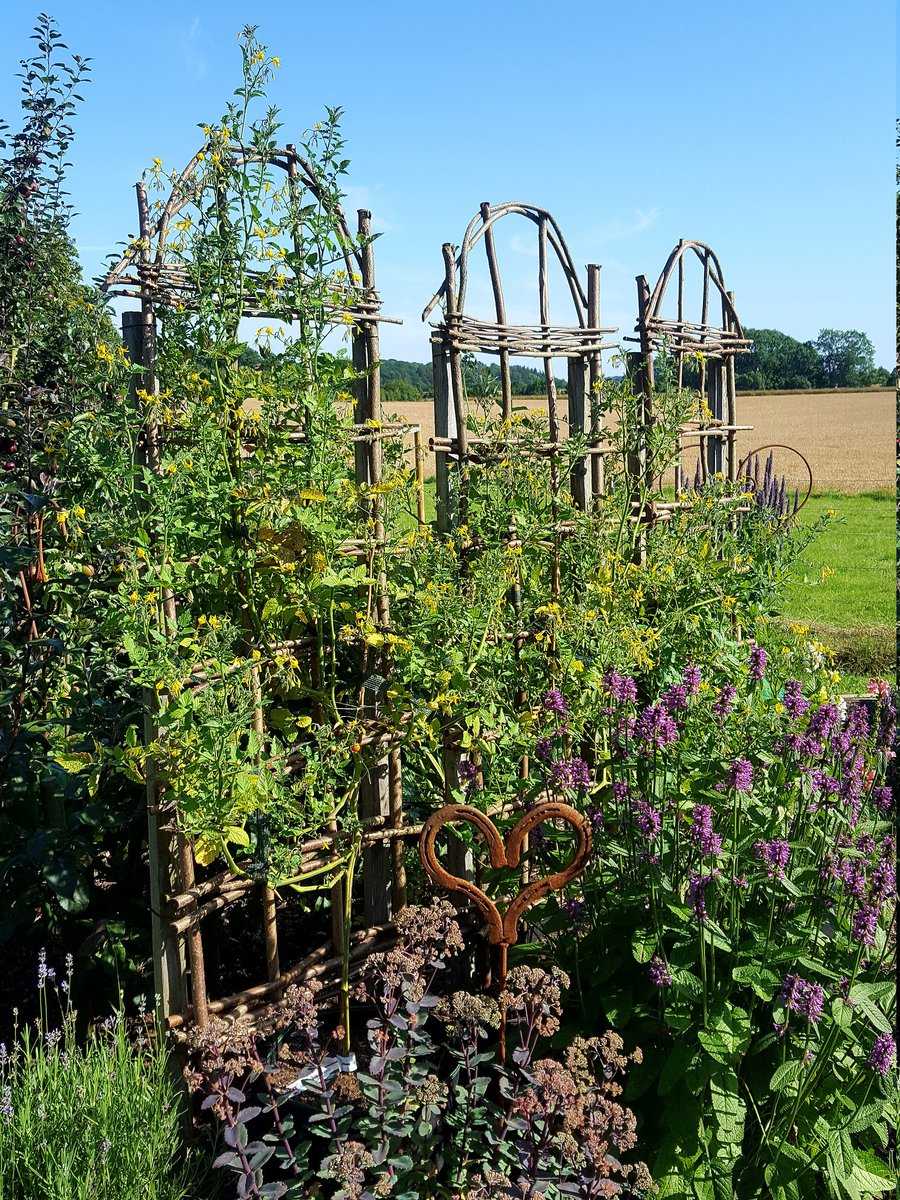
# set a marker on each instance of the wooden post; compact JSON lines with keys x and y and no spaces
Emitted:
{"x":577,"y":369}
{"x":443,"y":501}
{"x":715,"y":399}
{"x":500,"y":308}
{"x":375,"y":801}
{"x":169,"y":966}
{"x":380,"y":792}
{"x":731,"y":403}
{"x":640,"y":465}
{"x":595,"y":365}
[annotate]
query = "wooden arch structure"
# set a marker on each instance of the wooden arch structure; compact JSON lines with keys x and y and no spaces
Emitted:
{"x":181,"y":899}
{"x":708,"y":346}
{"x":580,"y":342}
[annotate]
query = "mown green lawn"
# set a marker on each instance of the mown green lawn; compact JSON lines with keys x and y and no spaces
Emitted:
{"x":843,"y":586}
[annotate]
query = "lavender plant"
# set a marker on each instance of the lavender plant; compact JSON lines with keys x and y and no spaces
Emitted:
{"x":97,"y":1118}
{"x":433,"y":1114}
{"x":739,"y":916}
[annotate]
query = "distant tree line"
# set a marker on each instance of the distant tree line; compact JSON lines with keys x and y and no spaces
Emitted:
{"x":412,"y":381}
{"x":837,"y":358}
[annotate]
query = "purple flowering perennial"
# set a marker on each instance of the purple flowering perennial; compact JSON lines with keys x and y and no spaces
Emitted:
{"x":646,"y":819}
{"x":691,"y":677}
{"x":775,"y":854}
{"x":801,"y":996}
{"x":674,"y":699}
{"x":707,"y":841}
{"x":621,"y":687}
{"x":740,"y":775}
{"x":757,"y":662}
{"x":658,"y":972}
{"x":882,"y":1055}
{"x":865,"y":923}
{"x":795,"y":702}
{"x":697,"y":885}
{"x":555,"y":702}
{"x":724,"y":702}
{"x":572,"y":774}
{"x":654,"y":728}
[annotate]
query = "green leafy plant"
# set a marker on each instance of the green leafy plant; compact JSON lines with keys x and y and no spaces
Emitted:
{"x":99,"y":1116}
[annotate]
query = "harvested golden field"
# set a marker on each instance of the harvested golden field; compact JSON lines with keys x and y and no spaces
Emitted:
{"x":848,"y":437}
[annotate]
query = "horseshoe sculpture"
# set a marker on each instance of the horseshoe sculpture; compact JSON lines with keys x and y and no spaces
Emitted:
{"x":502,"y":930}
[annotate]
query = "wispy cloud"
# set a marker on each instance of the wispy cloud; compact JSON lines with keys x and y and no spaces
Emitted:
{"x":619,"y":228}
{"x":360,"y":196}
{"x":192,"y":55}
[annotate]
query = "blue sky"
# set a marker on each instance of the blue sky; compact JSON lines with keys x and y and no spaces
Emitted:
{"x":765,"y":130}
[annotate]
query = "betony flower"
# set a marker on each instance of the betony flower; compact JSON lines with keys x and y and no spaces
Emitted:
{"x":620,"y":687}
{"x":647,"y":819}
{"x":795,"y":702}
{"x":571,"y":774}
{"x":865,"y":923}
{"x":740,"y":775}
{"x":654,"y":728}
{"x":697,"y":885}
{"x":775,"y":854}
{"x":555,"y":702}
{"x":708,"y":842}
{"x":724,"y":702}
{"x":882,"y":1055}
{"x":674,"y":698}
{"x":804,"y":997}
{"x":757,"y":662}
{"x":691,"y":677}
{"x":659,"y":972}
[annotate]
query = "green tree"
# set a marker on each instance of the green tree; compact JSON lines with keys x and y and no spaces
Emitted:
{"x":848,"y":357}
{"x":400,"y":391}
{"x":778,"y":361}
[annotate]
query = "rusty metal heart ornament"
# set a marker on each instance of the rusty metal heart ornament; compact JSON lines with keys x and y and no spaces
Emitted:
{"x":502,"y":929}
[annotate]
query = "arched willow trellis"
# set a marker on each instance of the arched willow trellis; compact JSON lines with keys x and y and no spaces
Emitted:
{"x":180,"y":902}
{"x":708,"y":346}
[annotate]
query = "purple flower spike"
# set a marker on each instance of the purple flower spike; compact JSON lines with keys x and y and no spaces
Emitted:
{"x":724,"y":702}
{"x":882,"y":1055}
{"x":740,"y":775}
{"x":697,"y":885}
{"x":801,"y":996}
{"x":620,"y":687}
{"x":655,"y":728}
{"x":865,"y":922}
{"x":572,"y":774}
{"x":757,"y":662}
{"x":775,"y":854}
{"x":691,"y":677}
{"x":555,"y":702}
{"x":674,"y":698}
{"x":708,"y":842}
{"x":659,"y":972}
{"x":795,"y":702}
{"x":647,"y":819}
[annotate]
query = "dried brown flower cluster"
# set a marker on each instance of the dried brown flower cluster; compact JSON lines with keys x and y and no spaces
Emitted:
{"x":463,"y":1013}
{"x":533,"y":998}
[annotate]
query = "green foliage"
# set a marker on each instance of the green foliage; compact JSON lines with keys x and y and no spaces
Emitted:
{"x":777,"y":360}
{"x":737,"y":918}
{"x":70,"y":830}
{"x":403,"y":381}
{"x":97,"y":1118}
{"x":847,"y":357}
{"x":433,"y":1114}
